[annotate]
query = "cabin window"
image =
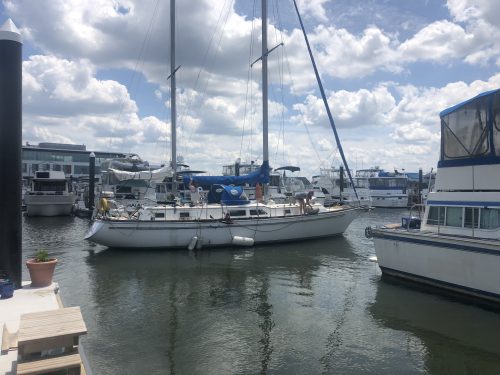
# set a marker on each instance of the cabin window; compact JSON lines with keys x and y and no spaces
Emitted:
{"x":288,"y":211}
{"x":159,"y":215}
{"x":471,"y":219}
{"x":184,"y":215}
{"x":50,"y":185}
{"x":436,"y":215}
{"x":237,"y":213}
{"x":124,"y":189}
{"x":496,"y":122}
{"x":490,"y":218}
{"x":460,"y":139}
{"x":454,"y":216}
{"x":257,"y":212}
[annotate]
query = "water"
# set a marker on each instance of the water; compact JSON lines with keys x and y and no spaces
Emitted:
{"x":315,"y":307}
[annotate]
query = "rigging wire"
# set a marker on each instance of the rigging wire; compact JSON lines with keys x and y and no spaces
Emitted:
{"x":281,"y":132}
{"x":202,"y":68}
{"x":249,"y":77}
{"x":297,"y":101}
{"x":139,"y":64}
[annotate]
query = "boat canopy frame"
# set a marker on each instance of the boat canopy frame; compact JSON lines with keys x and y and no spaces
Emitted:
{"x":470,"y":132}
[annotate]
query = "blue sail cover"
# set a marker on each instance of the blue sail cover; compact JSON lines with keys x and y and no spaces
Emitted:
{"x":260,"y":176}
{"x":233,"y":196}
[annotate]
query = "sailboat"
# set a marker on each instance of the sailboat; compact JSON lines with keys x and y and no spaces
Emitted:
{"x":226,"y":217}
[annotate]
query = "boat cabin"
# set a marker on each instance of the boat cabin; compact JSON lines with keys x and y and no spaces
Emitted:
{"x":466,"y":200}
{"x":49,"y":181}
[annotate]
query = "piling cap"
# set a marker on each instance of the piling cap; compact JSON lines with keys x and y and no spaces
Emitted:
{"x":9,"y":31}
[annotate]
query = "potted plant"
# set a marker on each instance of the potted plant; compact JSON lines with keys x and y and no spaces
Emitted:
{"x":41,"y":268}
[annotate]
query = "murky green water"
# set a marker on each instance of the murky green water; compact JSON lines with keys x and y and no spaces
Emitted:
{"x":302,"y":308}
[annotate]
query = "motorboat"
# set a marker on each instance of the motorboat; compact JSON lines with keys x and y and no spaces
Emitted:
{"x":49,"y":195}
{"x":338,"y":189}
{"x":386,"y":189}
{"x":455,"y":246}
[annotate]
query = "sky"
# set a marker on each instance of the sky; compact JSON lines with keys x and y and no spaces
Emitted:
{"x":96,"y":73}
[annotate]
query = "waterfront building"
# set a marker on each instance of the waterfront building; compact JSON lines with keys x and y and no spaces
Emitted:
{"x":71,"y":159}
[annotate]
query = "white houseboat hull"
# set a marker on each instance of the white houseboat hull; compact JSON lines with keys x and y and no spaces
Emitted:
{"x":211,"y":233}
{"x":398,"y":201}
{"x":466,"y":266}
{"x":49,"y":205}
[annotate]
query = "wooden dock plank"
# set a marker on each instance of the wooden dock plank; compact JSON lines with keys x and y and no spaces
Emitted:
{"x":50,"y":329}
{"x":44,"y":365}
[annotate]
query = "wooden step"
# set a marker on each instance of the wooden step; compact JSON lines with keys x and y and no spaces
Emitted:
{"x":49,"y":364}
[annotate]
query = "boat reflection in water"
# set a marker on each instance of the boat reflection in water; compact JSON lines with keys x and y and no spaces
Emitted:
{"x":233,"y":311}
{"x":455,"y":338}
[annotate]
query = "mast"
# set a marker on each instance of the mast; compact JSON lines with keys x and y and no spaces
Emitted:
{"x":173,"y":109}
{"x":325,"y":102}
{"x":265,"y":146}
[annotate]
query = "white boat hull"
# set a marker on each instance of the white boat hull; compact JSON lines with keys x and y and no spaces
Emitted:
{"x":390,"y":201}
{"x":179,"y":234}
{"x":467,"y":266}
{"x":49,"y":205}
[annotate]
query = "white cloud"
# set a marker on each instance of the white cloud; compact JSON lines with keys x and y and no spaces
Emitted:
{"x":314,"y":8}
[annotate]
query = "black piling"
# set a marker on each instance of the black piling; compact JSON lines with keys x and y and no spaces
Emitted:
{"x":420,"y":183}
{"x":10,"y":152}
{"x":91,"y":180}
{"x":341,"y":178}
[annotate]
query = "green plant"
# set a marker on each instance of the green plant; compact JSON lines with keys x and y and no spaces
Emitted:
{"x":42,"y":256}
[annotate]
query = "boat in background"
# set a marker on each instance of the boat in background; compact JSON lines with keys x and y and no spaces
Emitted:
{"x":387,"y":189}
{"x":456,"y":246}
{"x":337,"y":188}
{"x":49,"y":195}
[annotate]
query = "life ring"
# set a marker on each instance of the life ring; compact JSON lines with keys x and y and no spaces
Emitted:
{"x":103,"y":205}
{"x":368,"y":232}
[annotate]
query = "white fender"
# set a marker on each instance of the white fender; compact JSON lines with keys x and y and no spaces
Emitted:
{"x":242,"y":241}
{"x":192,"y":243}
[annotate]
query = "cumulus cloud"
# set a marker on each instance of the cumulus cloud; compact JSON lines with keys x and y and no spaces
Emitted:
{"x":313,"y":8}
{"x":67,"y":97}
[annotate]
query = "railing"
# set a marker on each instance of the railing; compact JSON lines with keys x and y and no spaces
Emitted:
{"x":420,"y":210}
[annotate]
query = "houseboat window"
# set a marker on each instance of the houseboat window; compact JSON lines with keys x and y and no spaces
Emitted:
{"x":237,"y":213}
{"x":490,"y":218}
{"x":454,"y":216}
{"x":257,"y":212}
{"x":183,"y":215}
{"x":288,"y":211}
{"x":496,"y":122}
{"x":471,"y":216}
{"x":436,"y":215}
{"x":460,"y":139}
{"x":124,"y":189}
{"x":159,"y":214}
{"x":50,"y":185}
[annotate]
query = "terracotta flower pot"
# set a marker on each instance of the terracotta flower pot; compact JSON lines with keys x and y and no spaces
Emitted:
{"x":41,"y":273}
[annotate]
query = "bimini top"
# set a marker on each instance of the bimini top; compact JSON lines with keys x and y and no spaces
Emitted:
{"x":470,"y":132}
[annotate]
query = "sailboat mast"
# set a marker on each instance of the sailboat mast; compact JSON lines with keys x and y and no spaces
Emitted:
{"x":173,"y":109}
{"x":265,"y":145}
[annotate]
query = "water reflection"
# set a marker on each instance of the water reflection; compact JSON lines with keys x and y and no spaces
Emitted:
{"x":456,"y":338}
{"x":213,"y":305}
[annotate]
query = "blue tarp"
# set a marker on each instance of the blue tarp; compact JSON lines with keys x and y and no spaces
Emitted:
{"x":260,"y":176}
{"x":233,"y":196}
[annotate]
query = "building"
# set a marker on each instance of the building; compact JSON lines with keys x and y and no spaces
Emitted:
{"x":73,"y":160}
